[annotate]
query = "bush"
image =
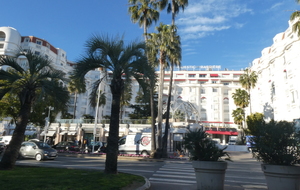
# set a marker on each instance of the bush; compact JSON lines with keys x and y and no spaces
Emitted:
{"x":202,"y":148}
{"x":275,"y":142}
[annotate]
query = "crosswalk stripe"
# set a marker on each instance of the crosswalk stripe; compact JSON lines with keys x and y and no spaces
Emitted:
{"x":171,"y":180}
{"x":175,"y":176}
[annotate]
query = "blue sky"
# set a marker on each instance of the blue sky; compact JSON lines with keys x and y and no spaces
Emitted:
{"x":230,"y":33}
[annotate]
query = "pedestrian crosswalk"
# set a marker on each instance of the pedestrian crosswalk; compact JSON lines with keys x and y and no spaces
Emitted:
{"x":182,"y":173}
{"x":175,"y":173}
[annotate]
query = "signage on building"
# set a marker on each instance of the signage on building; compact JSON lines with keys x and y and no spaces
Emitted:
{"x":200,"y":67}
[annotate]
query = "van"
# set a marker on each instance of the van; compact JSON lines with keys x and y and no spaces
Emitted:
{"x":5,"y":139}
{"x":232,"y":140}
{"x":137,"y":143}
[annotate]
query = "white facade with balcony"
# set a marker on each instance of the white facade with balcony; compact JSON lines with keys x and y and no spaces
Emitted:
{"x":277,"y":90}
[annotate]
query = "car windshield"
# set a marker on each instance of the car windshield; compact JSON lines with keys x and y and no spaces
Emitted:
{"x":42,"y":145}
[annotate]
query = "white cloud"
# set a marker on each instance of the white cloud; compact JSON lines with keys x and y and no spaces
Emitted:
{"x":205,"y":16}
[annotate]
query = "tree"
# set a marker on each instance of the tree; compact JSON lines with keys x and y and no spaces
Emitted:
{"x":143,"y":12}
{"x":248,"y":80}
{"x":296,"y":15}
{"x":125,"y":62}
{"x":174,"y":59}
{"x":173,"y":6}
{"x":158,"y":45}
{"x":35,"y":82}
{"x":241,"y":99}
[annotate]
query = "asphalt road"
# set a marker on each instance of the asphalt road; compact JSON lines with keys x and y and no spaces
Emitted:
{"x":243,"y":173}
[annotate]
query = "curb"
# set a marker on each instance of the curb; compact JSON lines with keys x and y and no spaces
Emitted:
{"x":146,"y":186}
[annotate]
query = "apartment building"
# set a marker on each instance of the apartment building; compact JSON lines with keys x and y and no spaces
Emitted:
{"x":277,"y":90}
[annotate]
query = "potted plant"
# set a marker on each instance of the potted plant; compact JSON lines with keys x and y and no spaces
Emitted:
{"x":206,"y":159}
{"x":276,"y":145}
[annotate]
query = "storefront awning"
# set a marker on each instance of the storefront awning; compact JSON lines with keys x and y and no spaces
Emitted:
{"x":49,"y":134}
{"x":221,"y":132}
{"x":214,"y":75}
{"x":71,"y":133}
{"x":63,"y":132}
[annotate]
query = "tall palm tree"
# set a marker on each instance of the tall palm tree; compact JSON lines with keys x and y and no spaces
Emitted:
{"x":73,"y":88}
{"x":173,"y":6}
{"x":159,"y":47}
{"x":125,"y":62}
{"x":241,"y":98}
{"x":175,"y":60}
{"x":248,"y":80}
{"x":36,"y":81}
{"x":296,"y":15}
{"x":144,"y":12}
{"x":238,"y":116}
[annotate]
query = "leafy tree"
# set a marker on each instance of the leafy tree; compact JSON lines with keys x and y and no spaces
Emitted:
{"x":248,"y":80}
{"x":125,"y":62}
{"x":296,"y":15}
{"x":254,"y":120}
{"x":36,"y":81}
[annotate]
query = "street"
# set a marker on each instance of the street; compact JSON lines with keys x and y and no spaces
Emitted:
{"x":243,"y":173}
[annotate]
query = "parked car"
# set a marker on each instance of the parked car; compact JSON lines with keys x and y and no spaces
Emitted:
{"x":38,"y":150}
{"x":98,"y":147}
{"x":66,"y":146}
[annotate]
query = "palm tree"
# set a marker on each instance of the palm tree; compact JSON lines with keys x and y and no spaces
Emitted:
{"x":125,"y":62}
{"x":241,"y":98}
{"x":238,"y":116}
{"x":175,"y":60}
{"x":37,"y":81}
{"x":173,"y":7}
{"x":248,"y":81}
{"x":296,"y":15}
{"x":159,"y":46}
{"x":143,"y":12}
{"x":74,"y":88}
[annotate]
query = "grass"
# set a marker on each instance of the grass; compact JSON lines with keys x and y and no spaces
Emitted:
{"x":40,"y":178}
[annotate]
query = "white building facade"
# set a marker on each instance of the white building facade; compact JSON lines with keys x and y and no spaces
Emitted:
{"x":276,"y":94}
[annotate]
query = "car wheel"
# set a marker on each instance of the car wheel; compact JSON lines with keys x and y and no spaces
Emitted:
{"x":38,"y":157}
{"x":145,"y":153}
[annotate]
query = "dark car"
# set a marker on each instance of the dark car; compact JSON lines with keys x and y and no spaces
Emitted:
{"x":38,"y":150}
{"x":98,"y":147}
{"x":66,"y":146}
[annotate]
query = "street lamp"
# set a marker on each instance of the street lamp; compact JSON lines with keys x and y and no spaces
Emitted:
{"x":47,"y":123}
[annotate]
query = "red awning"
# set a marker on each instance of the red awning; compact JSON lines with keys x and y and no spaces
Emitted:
{"x":214,"y":75}
{"x":222,"y":132}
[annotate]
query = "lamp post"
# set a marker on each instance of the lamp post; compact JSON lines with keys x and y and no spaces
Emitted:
{"x":96,"y":118}
{"x":47,"y":123}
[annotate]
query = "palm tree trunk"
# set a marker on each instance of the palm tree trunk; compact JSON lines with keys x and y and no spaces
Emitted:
{"x":75,"y":104}
{"x":153,"y":139}
{"x":111,"y":162}
{"x":160,"y":109}
{"x":165,"y":139}
{"x":12,"y":151}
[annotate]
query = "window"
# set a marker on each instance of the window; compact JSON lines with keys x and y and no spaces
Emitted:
{"x":202,"y":90}
{"x":63,"y":55}
{"x":27,"y":40}
{"x":203,"y":100}
{"x":39,"y":42}
{"x":2,"y":36}
{"x":48,"y":46}
{"x":192,"y":75}
{"x":215,"y":90}
{"x":37,"y":53}
{"x":1,"y":46}
{"x":226,"y":83}
{"x":202,"y":75}
{"x":214,"y":82}
{"x":46,"y":56}
{"x":226,"y":101}
{"x":225,"y":91}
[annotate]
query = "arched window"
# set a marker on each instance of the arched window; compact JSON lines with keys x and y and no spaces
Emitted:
{"x":2,"y":36}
